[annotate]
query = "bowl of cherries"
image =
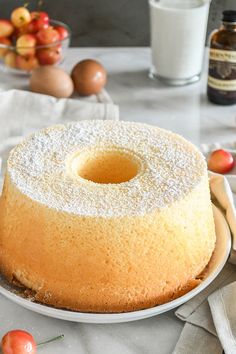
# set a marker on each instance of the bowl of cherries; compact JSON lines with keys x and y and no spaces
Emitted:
{"x":31,"y":39}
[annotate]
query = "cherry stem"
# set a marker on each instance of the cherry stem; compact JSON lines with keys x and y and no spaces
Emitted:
{"x":51,"y":340}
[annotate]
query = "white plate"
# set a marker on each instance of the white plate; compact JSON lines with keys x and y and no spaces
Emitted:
{"x":218,"y":260}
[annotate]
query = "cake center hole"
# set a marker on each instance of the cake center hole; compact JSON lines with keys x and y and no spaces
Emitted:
{"x":105,"y":166}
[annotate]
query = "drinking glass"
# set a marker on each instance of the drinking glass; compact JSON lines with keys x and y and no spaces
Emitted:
{"x":178,"y":34}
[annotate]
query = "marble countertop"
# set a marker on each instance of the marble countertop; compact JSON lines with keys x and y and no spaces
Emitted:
{"x":184,"y":110}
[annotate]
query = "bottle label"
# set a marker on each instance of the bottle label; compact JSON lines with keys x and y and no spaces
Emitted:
{"x":223,"y":55}
{"x":222,"y":70}
{"x":225,"y":85}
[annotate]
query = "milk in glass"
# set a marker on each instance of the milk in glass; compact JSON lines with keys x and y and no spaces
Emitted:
{"x":178,"y":34}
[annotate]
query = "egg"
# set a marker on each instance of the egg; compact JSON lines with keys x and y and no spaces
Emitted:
{"x":89,"y":77}
{"x":50,"y":80}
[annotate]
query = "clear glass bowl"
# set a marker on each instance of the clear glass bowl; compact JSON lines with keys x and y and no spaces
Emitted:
{"x":60,"y":47}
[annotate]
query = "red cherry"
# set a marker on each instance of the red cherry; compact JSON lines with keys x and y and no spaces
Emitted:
{"x":47,"y":35}
{"x":39,"y":20}
{"x":32,"y":27}
{"x":63,"y":33}
{"x":220,"y":161}
{"x":18,"y":342}
{"x":49,"y":56}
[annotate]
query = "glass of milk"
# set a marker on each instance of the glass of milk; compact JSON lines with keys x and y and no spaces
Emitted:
{"x":178,"y":34}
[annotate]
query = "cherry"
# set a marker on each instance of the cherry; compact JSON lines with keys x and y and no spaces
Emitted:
{"x":39,"y":20}
{"x":47,"y":35}
{"x":20,"y":17}
{"x":63,"y":33}
{"x":220,"y":161}
{"x":18,"y":342}
{"x":21,"y":342}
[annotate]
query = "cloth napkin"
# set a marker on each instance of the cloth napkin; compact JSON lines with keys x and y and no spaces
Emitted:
{"x":33,"y":108}
{"x":23,"y":112}
{"x":211,"y":316}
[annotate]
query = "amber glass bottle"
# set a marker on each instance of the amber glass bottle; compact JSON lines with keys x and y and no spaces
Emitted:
{"x":221,"y":87}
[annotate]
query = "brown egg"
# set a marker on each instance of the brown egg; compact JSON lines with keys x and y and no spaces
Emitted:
{"x":89,"y":77}
{"x":50,"y":80}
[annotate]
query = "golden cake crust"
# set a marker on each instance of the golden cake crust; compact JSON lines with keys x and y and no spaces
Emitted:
{"x":119,"y":254}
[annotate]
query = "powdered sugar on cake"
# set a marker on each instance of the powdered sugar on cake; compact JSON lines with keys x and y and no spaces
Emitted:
{"x":172,"y":168}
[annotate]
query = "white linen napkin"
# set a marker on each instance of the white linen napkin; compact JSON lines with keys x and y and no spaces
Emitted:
{"x":211,"y":316}
{"x":222,"y":195}
{"x":23,"y":112}
{"x":37,"y":109}
{"x":223,"y":308}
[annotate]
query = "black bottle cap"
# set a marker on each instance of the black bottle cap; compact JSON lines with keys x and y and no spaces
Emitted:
{"x":229,"y":16}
